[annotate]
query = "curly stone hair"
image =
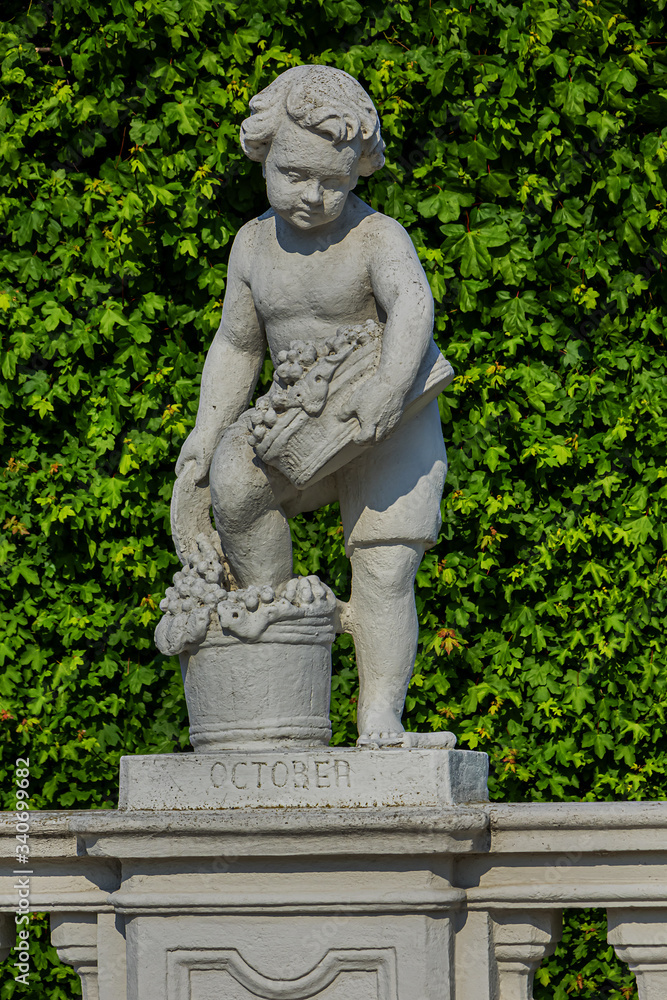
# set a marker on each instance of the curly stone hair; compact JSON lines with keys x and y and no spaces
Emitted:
{"x":322,"y":98}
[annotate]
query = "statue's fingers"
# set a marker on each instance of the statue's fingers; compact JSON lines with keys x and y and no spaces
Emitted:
{"x":387,"y":425}
{"x":200,"y":470}
{"x":347,"y":412}
{"x":189,"y":465}
{"x":367,"y":433}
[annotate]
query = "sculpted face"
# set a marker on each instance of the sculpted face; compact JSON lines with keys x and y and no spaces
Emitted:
{"x":308,"y":178}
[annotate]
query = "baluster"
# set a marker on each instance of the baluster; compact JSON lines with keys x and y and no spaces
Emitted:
{"x":639,"y":938}
{"x":521,"y":940}
{"x":74,"y":936}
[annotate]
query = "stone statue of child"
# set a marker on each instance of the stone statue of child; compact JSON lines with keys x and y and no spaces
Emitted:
{"x":320,"y":258}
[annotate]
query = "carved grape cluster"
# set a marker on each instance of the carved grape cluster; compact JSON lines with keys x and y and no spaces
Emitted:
{"x":299,"y":591}
{"x":198,"y":584}
{"x":303,"y":590}
{"x":198,"y":594}
{"x":301,"y":356}
{"x":249,"y":613}
{"x":292,"y":372}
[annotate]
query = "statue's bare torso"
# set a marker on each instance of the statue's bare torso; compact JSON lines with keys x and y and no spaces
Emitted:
{"x":308,"y":295}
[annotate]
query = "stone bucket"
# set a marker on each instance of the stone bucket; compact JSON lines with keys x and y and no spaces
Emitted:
{"x":273,"y":692}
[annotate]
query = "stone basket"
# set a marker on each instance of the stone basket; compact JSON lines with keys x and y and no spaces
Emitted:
{"x":307,"y":448}
{"x":271,"y":692}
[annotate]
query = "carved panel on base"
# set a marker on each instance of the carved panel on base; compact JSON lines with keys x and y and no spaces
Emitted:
{"x":329,"y":956}
{"x":342,"y":974}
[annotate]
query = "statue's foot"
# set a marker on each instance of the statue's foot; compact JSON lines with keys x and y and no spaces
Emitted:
{"x":381,"y":728}
{"x":410,"y":741}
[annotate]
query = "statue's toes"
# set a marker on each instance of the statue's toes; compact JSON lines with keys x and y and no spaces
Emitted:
{"x":381,"y":738}
{"x":378,"y":739}
{"x":430,"y":741}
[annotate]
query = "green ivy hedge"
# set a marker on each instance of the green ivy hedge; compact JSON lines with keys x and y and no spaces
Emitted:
{"x":526,"y":151}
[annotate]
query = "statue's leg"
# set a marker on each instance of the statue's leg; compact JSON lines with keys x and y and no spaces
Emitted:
{"x":253,"y":528}
{"x":385,"y":629}
{"x":390,"y":506}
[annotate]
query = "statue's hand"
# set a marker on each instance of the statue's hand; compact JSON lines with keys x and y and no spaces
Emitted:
{"x":198,"y":448}
{"x":378,"y":408}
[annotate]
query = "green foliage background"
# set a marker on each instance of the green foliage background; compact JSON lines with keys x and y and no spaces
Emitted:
{"x":526,"y":152}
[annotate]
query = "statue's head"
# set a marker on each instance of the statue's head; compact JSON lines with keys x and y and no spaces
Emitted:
{"x":316,"y":131}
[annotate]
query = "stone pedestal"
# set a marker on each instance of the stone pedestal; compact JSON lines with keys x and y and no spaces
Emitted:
{"x":286,"y":875}
{"x":288,"y":903}
{"x":327,"y":777}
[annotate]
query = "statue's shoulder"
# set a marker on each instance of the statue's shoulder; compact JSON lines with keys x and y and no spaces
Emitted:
{"x":369,"y":218}
{"x":254,"y":232}
{"x":251,"y":238}
{"x":381,"y":231}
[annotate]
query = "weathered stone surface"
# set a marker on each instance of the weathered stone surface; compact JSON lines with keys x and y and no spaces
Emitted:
{"x":328,"y":778}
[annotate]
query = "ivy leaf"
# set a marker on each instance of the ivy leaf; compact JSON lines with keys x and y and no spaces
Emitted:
{"x":514,"y":315}
{"x":546,"y":23}
{"x":445,"y":204}
{"x":541,"y":394}
{"x":184,"y":115}
{"x":471,"y":249}
{"x":55,"y":314}
{"x":573,"y":95}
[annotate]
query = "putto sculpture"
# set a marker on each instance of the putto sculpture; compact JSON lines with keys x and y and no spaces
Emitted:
{"x":337,"y":293}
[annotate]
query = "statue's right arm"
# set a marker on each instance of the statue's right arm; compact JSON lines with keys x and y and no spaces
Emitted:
{"x":232,"y":366}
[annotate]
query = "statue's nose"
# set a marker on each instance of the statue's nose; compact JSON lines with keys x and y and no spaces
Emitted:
{"x":313,"y":193}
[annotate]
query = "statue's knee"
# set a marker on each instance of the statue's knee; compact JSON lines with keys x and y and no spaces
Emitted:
{"x":238,"y":483}
{"x":230,"y":475}
{"x":387,"y":569}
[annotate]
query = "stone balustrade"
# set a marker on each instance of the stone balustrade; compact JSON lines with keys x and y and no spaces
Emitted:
{"x":458,"y":902}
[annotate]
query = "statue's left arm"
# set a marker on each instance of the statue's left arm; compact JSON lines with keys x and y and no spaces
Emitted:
{"x":401,"y":289}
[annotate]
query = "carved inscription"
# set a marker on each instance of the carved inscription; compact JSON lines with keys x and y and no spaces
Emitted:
{"x":288,"y":773}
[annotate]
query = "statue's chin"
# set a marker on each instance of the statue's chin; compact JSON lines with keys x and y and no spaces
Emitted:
{"x":308,"y":221}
